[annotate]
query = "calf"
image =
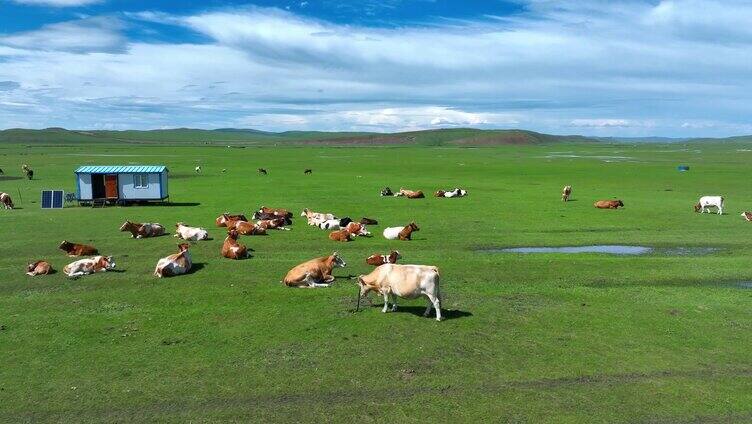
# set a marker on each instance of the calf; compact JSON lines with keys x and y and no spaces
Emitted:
{"x":608,"y":204}
{"x":89,"y":266}
{"x":75,"y":249}
{"x":747,"y":216}
{"x":176,"y":264}
{"x":190,"y":233}
{"x":565,"y":193}
{"x":377,"y":259}
{"x":231,"y":249}
{"x":341,"y":235}
{"x":314,"y":273}
{"x":38,"y":268}
{"x":139,"y":230}
{"x":405,"y":281}
{"x":368,"y":221}
{"x":401,"y":233}
{"x":707,"y":202}
{"x":221,"y":220}
{"x":6,"y":201}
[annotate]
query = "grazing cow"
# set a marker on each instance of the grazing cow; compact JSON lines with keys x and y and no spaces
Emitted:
{"x":377,"y":259}
{"x":75,"y":249}
{"x":175,"y":264}
{"x":27,"y":171}
{"x":221,"y":220}
{"x":747,"y":216}
{"x":316,"y":218}
{"x":341,"y":235}
{"x":405,"y":281}
{"x":608,"y":204}
{"x":386,"y":191}
{"x":357,"y":229}
{"x":707,"y":202}
{"x":314,"y":273}
{"x":190,"y":233}
{"x":262,"y":171}
{"x":308,"y":171}
{"x":89,"y":266}
{"x":401,"y":233}
{"x":38,"y":268}
{"x":565,"y":193}
{"x":231,"y":249}
{"x":273,"y":224}
{"x":139,"y":230}
{"x":6,"y":201}
{"x":246,"y":228}
{"x":410,"y":194}
{"x":198,"y":169}
{"x":280,"y":212}
{"x":368,"y":221}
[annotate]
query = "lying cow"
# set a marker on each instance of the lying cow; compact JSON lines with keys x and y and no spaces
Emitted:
{"x":276,"y":211}
{"x":75,"y":249}
{"x":405,"y":281}
{"x":190,"y":233}
{"x":565,"y":193}
{"x":335,"y":224}
{"x":341,"y":235}
{"x":89,"y":266}
{"x":314,"y":273}
{"x":368,"y":221}
{"x":139,"y":230}
{"x":246,"y":228}
{"x":6,"y":201}
{"x":176,"y":264}
{"x":231,"y":249}
{"x":377,"y":259}
{"x":608,"y":204}
{"x":410,"y":194}
{"x":221,"y":220}
{"x":263,"y":216}
{"x":707,"y":202}
{"x":386,"y":191}
{"x":38,"y":268}
{"x":401,"y":233}
{"x":316,"y":218}
{"x":747,"y":216}
{"x":272,"y":224}
{"x":357,"y":229}
{"x":457,"y":192}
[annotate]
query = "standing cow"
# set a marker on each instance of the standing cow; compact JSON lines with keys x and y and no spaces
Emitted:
{"x":565,"y":193}
{"x":707,"y":202}
{"x":6,"y":201}
{"x":405,"y":281}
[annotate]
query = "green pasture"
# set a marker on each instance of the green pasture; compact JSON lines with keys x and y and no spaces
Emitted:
{"x":546,"y":338}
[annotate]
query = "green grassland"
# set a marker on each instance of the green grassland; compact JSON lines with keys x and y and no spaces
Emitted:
{"x":551,"y":338}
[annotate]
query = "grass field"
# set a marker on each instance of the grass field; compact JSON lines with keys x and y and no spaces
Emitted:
{"x":556,"y":338}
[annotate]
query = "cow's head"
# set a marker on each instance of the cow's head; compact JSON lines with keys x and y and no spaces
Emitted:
{"x":179,"y":224}
{"x":65,"y":245}
{"x":256,"y":215}
{"x":338,"y":262}
{"x":233,"y":234}
{"x":106,"y":262}
{"x":365,"y":288}
{"x":620,"y":203}
{"x":394,"y":255}
{"x":183,"y":247}
{"x":697,"y":207}
{"x":414,"y":226}
{"x":126,"y":226}
{"x":30,"y":267}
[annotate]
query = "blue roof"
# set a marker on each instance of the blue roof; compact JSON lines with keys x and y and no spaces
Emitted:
{"x":127,"y":169}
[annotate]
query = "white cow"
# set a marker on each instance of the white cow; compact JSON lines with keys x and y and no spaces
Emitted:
{"x":457,"y":192}
{"x":707,"y":202}
{"x":190,"y":233}
{"x":89,"y":266}
{"x":316,"y":218}
{"x":330,"y":224}
{"x":198,"y":169}
{"x":405,"y":281}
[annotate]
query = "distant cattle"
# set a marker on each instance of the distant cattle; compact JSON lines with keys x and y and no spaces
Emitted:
{"x":6,"y":201}
{"x":565,"y":193}
{"x":75,"y":249}
{"x":401,"y":233}
{"x":316,"y":218}
{"x":368,"y":221}
{"x":262,"y":171}
{"x":1,"y":171}
{"x":231,"y":249}
{"x":27,"y":171}
{"x":405,"y":281}
{"x":410,"y":194}
{"x":89,"y":266}
{"x":246,"y":228}
{"x":198,"y":169}
{"x":281,"y":212}
{"x":222,"y":220}
{"x":377,"y":259}
{"x":330,"y":224}
{"x":175,"y":264}
{"x":262,"y":216}
{"x":386,"y":191}
{"x":747,"y":216}
{"x":707,"y":202}
{"x":457,"y":192}
{"x":314,"y":273}
{"x":146,"y":229}
{"x":608,"y":204}
{"x":38,"y":268}
{"x":308,"y":171}
{"x":190,"y":233}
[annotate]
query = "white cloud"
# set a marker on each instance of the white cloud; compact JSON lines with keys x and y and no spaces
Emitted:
{"x":99,"y":34}
{"x":601,"y":123}
{"x":58,"y":3}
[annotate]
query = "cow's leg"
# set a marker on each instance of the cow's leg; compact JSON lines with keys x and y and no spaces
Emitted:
{"x":394,"y":301}
{"x":436,"y":303}
{"x":76,"y":274}
{"x":386,"y":303}
{"x":720,"y":210}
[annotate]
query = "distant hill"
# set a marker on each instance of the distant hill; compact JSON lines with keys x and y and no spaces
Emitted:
{"x":236,"y":136}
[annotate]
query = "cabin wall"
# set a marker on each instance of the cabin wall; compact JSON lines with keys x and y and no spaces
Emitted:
{"x":128,"y":190}
{"x":83,"y":186}
{"x":163,"y":179}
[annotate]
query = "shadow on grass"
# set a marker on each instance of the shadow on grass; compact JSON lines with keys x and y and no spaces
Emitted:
{"x":197,"y":266}
{"x":446,"y":314}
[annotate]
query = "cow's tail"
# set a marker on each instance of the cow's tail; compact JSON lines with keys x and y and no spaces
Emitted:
{"x":158,"y":272}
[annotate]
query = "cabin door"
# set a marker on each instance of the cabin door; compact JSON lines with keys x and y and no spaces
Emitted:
{"x":111,"y":186}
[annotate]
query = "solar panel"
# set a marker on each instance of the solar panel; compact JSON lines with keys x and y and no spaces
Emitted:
{"x":52,"y":199}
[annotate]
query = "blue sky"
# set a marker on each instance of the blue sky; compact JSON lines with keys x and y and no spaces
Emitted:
{"x":594,"y":67}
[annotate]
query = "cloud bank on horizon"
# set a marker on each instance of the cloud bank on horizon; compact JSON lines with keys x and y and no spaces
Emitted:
{"x":629,"y":68}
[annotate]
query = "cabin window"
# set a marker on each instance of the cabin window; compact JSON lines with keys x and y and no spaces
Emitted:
{"x":141,"y":180}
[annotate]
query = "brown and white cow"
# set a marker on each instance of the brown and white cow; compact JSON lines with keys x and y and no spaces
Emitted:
{"x":6,"y":201}
{"x":221,"y":220}
{"x":410,"y":194}
{"x":231,"y":249}
{"x":341,"y":235}
{"x":377,"y":259}
{"x":747,"y":216}
{"x":281,"y":212}
{"x":401,"y":233}
{"x":565,"y":193}
{"x":147,"y":229}
{"x":246,"y":228}
{"x":357,"y":229}
{"x":89,"y":266}
{"x":176,"y":264}
{"x":608,"y":204}
{"x":272,"y":224}
{"x":316,"y":218}
{"x":190,"y":233}
{"x":38,"y":268}
{"x":314,"y":273}
{"x":75,"y":249}
{"x":405,"y":281}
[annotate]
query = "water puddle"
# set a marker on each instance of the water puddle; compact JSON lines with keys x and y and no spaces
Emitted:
{"x":609,"y":249}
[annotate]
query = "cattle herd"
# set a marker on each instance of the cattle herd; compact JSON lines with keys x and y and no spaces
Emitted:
{"x":388,"y":278}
